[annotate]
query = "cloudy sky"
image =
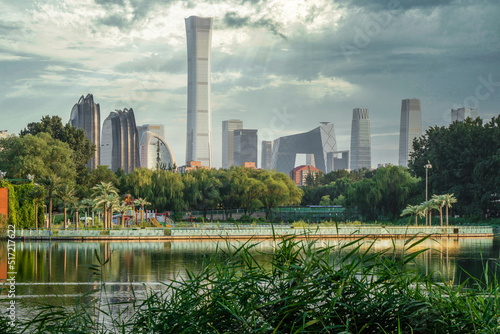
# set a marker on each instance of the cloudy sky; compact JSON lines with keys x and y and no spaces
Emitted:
{"x":281,"y":66}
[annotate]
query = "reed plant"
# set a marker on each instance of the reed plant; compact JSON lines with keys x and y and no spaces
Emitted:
{"x":304,"y":288}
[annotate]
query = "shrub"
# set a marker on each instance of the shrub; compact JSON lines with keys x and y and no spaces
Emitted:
{"x":245,"y":218}
{"x":231,"y":219}
{"x":176,"y":217}
{"x":262,"y":220}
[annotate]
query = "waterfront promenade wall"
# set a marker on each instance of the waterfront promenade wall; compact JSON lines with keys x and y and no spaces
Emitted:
{"x":255,"y":232}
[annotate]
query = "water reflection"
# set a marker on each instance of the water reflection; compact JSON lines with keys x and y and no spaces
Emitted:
{"x":41,"y":266}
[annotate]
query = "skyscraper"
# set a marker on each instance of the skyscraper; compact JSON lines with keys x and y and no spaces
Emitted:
{"x":199,"y":116}
{"x":120,"y":142}
{"x":228,"y":128}
{"x":461,"y":114}
{"x":360,"y":139}
{"x":245,"y":146}
{"x":266,"y":154}
{"x":410,"y":128}
{"x":86,"y":115}
{"x":153,"y":147}
{"x":318,"y":142}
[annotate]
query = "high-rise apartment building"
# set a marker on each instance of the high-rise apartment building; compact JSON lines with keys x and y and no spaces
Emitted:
{"x":120,"y":141}
{"x":86,"y":115}
{"x":199,"y":116}
{"x":461,"y":114}
{"x":228,"y":128}
{"x":245,"y":146}
{"x":410,"y":128}
{"x":266,"y":154}
{"x":360,"y":139}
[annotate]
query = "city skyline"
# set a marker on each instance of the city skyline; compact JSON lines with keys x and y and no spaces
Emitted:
{"x":281,"y":67}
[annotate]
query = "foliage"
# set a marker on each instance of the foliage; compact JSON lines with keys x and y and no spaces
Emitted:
{"x":465,"y":158}
{"x":21,"y":204}
{"x":82,"y":148}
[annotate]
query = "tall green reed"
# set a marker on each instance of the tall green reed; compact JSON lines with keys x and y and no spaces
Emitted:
{"x":303,"y":288}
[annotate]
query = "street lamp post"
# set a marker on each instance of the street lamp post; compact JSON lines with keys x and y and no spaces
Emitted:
{"x":427,"y":166}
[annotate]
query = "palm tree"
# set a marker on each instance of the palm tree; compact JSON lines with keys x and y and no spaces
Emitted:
{"x":76,"y":207}
{"x":415,"y":210}
{"x":50,"y":183}
{"x":87,"y":204}
{"x":38,"y":195}
{"x":102,"y":194}
{"x":449,"y":199}
{"x":67,"y":194}
{"x":142,"y":202}
{"x":440,"y":202}
{"x":427,"y":207}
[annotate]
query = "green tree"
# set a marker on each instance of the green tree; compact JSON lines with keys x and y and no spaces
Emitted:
{"x":50,"y":160}
{"x":449,"y":199}
{"x":276,"y":192}
{"x":142,"y":203}
{"x":325,"y":200}
{"x":465,"y":158}
{"x":67,"y":195}
{"x":414,"y":210}
{"x":105,"y":194}
{"x":82,"y":148}
{"x":440,"y":201}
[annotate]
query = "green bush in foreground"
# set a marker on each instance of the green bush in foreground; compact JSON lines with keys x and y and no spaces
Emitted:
{"x":303,"y":289}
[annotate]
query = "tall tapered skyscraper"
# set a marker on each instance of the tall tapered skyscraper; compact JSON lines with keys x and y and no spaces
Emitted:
{"x":360,"y":139}
{"x":228,"y":128}
{"x":199,"y":116}
{"x":410,"y":128}
{"x":86,"y":115}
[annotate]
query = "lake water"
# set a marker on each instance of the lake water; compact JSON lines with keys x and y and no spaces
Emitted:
{"x":59,"y":270}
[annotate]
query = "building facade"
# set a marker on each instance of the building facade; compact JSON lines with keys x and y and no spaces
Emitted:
{"x":245,"y":146}
{"x":339,"y":159}
{"x":410,"y":128}
{"x":461,"y":114}
{"x":4,"y":134}
{"x":120,"y":141}
{"x":360,"y":139}
{"x":154,"y":152}
{"x":158,"y":129}
{"x":318,"y":142}
{"x":86,"y":115}
{"x":300,"y":173}
{"x":266,"y":154}
{"x":199,"y":116}
{"x":228,"y":128}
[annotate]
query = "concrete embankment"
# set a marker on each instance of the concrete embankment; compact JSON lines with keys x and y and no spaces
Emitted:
{"x":248,"y":232}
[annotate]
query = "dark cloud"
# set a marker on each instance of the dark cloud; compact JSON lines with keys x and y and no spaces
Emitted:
{"x":110,"y":2}
{"x":8,"y":28}
{"x":233,"y":20}
{"x":117,"y":21}
{"x":394,"y":4}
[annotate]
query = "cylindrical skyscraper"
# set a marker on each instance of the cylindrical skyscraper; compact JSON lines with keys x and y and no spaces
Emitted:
{"x":360,"y":139}
{"x":410,"y":128}
{"x":199,"y":115}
